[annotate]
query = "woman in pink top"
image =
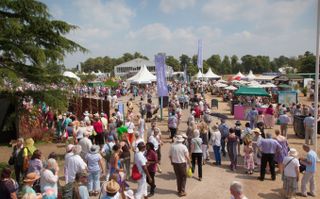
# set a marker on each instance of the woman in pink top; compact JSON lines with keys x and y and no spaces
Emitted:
{"x":269,"y":117}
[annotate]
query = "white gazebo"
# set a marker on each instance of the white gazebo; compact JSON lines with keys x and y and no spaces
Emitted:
{"x":144,"y":76}
{"x":71,"y":75}
{"x":250,"y":76}
{"x":211,"y":75}
{"x":199,"y":75}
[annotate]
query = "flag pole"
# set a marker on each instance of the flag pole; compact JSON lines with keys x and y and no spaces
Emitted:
{"x":316,"y":89}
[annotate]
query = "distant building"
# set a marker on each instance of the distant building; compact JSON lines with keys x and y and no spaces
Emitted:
{"x":130,"y":68}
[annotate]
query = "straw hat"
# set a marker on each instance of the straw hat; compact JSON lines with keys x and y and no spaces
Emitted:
{"x":293,"y":152}
{"x":179,"y":138}
{"x":256,"y":130}
{"x":69,"y":147}
{"x":129,"y":194}
{"x":94,"y":149}
{"x":31,"y":177}
{"x":112,"y":187}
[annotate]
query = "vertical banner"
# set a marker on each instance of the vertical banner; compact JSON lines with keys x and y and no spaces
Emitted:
{"x":200,"y":58}
{"x":162,"y":87}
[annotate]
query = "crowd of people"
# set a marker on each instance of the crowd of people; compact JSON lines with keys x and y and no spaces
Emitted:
{"x":101,"y":148}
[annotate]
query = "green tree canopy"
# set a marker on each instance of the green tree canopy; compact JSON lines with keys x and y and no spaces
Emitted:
{"x":173,"y":62}
{"x":306,"y":63}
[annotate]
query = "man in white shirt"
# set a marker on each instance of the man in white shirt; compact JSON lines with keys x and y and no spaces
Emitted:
{"x":85,"y":144}
{"x":75,"y":164}
{"x":141,"y":162}
{"x":179,"y":157}
{"x":216,"y":143}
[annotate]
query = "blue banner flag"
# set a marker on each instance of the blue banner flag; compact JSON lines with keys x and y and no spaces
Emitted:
{"x":200,"y":58}
{"x":162,"y":87}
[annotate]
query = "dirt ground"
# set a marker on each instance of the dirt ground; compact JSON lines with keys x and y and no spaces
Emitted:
{"x":216,"y":180}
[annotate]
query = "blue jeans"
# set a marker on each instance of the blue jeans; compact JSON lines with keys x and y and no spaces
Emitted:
{"x":217,"y":155}
{"x":94,"y":181}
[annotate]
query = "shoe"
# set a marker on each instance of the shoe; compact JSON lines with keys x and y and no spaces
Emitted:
{"x":261,"y":179}
{"x":302,"y":195}
{"x":311,"y":194}
{"x":200,"y":179}
{"x":150,"y":194}
{"x":182,"y":194}
{"x":273,"y":178}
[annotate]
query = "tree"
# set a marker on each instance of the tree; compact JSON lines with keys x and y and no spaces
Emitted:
{"x":235,"y":66}
{"x":215,"y":63}
{"x":306,"y":63}
{"x":226,"y":65}
{"x":184,"y":60}
{"x":32,"y":45}
{"x":173,"y":62}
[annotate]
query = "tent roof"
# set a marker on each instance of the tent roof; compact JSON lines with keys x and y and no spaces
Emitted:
{"x":71,"y":75}
{"x":232,"y":88}
{"x":212,"y":75}
{"x":251,"y":91}
{"x":240,"y":75}
{"x":136,"y":62}
{"x":143,"y":76}
{"x":251,"y":75}
{"x":199,"y":75}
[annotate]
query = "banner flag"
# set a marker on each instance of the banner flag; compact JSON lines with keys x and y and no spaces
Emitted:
{"x":200,"y":58}
{"x":162,"y":87}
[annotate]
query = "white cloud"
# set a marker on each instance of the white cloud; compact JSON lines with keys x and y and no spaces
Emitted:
{"x":168,"y":6}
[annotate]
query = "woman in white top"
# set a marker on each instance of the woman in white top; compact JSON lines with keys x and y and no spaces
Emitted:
{"x":291,"y":173}
{"x":141,"y":126}
{"x":196,"y":152}
{"x":49,"y":177}
{"x":130,"y":125}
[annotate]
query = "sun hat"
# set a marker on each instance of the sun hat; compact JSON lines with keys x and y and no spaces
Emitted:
{"x":179,"y":138}
{"x":69,"y":147}
{"x":256,"y":130}
{"x":112,"y":187}
{"x":293,"y":152}
{"x":94,"y":149}
{"x":238,"y":123}
{"x":129,"y":194}
{"x":31,"y":177}
{"x":184,"y":136}
{"x":86,"y":113}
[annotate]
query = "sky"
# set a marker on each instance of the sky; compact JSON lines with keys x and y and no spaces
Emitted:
{"x":226,"y":27}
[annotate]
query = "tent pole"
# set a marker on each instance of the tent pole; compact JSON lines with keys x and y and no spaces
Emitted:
{"x":161,"y":106}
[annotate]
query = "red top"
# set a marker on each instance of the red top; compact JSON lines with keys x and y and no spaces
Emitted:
{"x":50,"y":116}
{"x":98,"y":127}
{"x":198,"y":112}
{"x":152,"y":157}
{"x":269,"y":111}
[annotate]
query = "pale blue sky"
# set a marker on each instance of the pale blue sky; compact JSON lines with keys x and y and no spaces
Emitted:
{"x":227,"y":27}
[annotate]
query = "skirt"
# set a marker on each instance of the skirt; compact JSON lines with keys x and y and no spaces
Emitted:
{"x":269,"y":121}
{"x":290,"y":184}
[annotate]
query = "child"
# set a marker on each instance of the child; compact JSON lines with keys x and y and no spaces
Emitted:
{"x":248,"y":157}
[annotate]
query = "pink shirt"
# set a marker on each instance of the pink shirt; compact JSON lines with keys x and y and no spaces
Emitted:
{"x":98,"y":127}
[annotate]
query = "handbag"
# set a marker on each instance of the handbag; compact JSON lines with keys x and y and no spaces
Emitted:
{"x":189,"y":172}
{"x":135,"y":174}
{"x":11,"y":160}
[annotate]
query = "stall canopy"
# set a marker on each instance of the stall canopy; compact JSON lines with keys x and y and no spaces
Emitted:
{"x":71,"y":75}
{"x":211,"y":75}
{"x":143,"y":76}
{"x":231,"y":88}
{"x":251,"y":91}
{"x":251,"y":76}
{"x":199,"y":75}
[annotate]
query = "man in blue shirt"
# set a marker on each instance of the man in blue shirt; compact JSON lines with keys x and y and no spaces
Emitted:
{"x":253,"y":117}
{"x":224,"y":130}
{"x":268,"y":147}
{"x":308,"y":176}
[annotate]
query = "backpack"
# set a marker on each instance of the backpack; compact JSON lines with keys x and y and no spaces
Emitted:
{"x":108,"y":152}
{"x":135,"y":174}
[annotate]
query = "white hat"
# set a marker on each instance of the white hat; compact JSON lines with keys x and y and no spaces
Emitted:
{"x":129,"y":194}
{"x":293,"y":152}
{"x":179,"y":138}
{"x":86,"y":113}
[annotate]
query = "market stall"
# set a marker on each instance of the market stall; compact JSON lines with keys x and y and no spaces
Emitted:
{"x":240,"y":109}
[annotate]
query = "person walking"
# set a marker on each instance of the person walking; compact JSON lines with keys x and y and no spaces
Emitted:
{"x":179,"y":157}
{"x":284,"y":150}
{"x":173,"y":124}
{"x":284,"y":120}
{"x":141,"y":162}
{"x":232,"y":142}
{"x":224,"y":130}
{"x":196,"y":153}
{"x":290,"y":174}
{"x":308,"y":176}
{"x":253,"y":117}
{"x":268,"y":147}
{"x":152,"y":160}
{"x":308,"y":123}
{"x":215,"y":140}
{"x":248,"y":157}
{"x":269,"y":117}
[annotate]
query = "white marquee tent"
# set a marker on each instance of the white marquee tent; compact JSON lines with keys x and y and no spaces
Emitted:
{"x":250,"y":76}
{"x":143,"y":76}
{"x":211,"y":75}
{"x":71,"y":75}
{"x":199,"y":75}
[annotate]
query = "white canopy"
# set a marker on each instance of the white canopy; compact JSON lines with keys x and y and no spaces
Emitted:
{"x":220,"y":85}
{"x":143,"y":76}
{"x":268,"y":85}
{"x":211,"y":75}
{"x":199,"y":75}
{"x":251,"y":76}
{"x":231,"y":88}
{"x":222,"y":81}
{"x":239,"y":74}
{"x":71,"y":75}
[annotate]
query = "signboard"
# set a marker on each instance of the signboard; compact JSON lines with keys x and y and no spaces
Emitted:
{"x":287,"y":97}
{"x":162,"y":87}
